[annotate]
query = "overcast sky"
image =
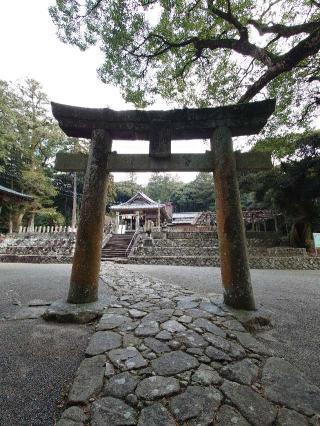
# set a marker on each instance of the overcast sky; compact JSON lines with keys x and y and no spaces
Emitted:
{"x":30,"y":48}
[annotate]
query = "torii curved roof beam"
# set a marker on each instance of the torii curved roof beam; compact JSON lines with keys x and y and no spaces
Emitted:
{"x":241,"y":119}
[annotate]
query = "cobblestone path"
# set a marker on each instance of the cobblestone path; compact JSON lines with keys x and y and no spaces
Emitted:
{"x":165,"y":356}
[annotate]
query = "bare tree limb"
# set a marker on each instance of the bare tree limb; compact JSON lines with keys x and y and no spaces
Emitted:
{"x":228,"y":17}
{"x":284,"y":30}
{"x":306,"y":48}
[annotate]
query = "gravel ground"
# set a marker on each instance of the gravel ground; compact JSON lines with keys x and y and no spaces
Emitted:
{"x":292,"y":296}
{"x":37,"y":359}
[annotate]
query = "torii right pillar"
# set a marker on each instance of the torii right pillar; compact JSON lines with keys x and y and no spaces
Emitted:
{"x":234,"y":263}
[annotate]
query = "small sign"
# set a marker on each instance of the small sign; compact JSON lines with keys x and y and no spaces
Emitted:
{"x":316,"y":239}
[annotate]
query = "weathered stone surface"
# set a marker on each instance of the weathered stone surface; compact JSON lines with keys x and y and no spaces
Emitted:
{"x":121,"y":385}
{"x":39,"y":302}
{"x":185,"y":319}
{"x":290,"y":418}
{"x":209,"y":326}
{"x":75,"y":414}
{"x":174,"y":363}
{"x":197,"y":313}
{"x":147,"y":328}
{"x":259,"y":319}
{"x":196,"y":402}
{"x":160,"y":315}
{"x":216,"y":354}
{"x":82,"y":313}
{"x":68,"y":422}
{"x":251,"y":405}
{"x":32,"y":312}
{"x":206,"y":376}
{"x":135,"y":313}
{"x":285,"y":385}
{"x":234,"y":325}
{"x":111,"y":321}
{"x":249,"y":342}
{"x":156,"y":387}
{"x":127,"y":359}
{"x":217,"y":341}
{"x":244,"y":371}
{"x":109,"y":370}
{"x":89,"y":379}
{"x":211,"y":308}
{"x":103,"y":341}
{"x":187,"y":304}
{"x":164,"y":335}
{"x":156,"y":346}
{"x":236,"y":350}
{"x":130,"y":340}
{"x":112,"y":412}
{"x":173,"y":326}
{"x":191,"y":339}
{"x":315,"y":420}
{"x":156,"y":415}
{"x":228,"y":416}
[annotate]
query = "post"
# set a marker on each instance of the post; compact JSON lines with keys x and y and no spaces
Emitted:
{"x":87,"y":257}
{"x":232,"y":240}
{"x":117,"y":223}
{"x":137,"y":219}
{"x":74,"y":203}
{"x":159,"y":216}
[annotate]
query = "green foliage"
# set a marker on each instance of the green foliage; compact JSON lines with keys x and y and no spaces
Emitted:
{"x":49,"y":217}
{"x":291,"y":145}
{"x":204,"y":53}
{"x":161,"y":186}
{"x":126,"y":189}
{"x":29,"y":140}
{"x":293,"y":187}
{"x":197,"y":195}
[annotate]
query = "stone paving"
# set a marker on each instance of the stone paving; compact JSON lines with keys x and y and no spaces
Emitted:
{"x":164,"y":356}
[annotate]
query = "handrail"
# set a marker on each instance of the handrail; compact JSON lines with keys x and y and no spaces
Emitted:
{"x":131,"y":242}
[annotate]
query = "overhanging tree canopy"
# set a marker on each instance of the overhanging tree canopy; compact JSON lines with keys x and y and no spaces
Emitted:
{"x":203,"y":52}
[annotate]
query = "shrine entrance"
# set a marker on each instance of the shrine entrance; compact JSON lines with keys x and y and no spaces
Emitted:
{"x":159,"y":128}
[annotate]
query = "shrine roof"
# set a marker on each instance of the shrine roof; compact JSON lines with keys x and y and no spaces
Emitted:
{"x":186,"y":123}
{"x":139,"y":201}
{"x":15,"y":194}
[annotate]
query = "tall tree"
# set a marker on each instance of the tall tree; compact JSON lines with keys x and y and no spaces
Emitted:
{"x":29,"y":140}
{"x":203,"y":52}
{"x":161,"y":186}
{"x":293,"y":186}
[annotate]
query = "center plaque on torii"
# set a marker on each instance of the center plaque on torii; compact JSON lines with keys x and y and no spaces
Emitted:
{"x":160,"y":128}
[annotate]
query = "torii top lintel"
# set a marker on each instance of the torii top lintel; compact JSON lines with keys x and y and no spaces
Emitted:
{"x":241,"y":119}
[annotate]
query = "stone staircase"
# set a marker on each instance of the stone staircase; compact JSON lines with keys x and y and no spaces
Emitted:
{"x":117,"y":246}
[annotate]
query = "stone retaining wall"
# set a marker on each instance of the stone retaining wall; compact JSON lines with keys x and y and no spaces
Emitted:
{"x":13,"y":258}
{"x":255,"y":262}
{"x":204,"y":251}
{"x":32,"y":244}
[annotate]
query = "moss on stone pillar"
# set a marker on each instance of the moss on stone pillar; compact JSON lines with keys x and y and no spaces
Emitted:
{"x":232,"y":240}
{"x":87,"y":257}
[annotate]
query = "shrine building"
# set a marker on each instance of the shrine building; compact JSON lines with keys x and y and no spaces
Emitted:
{"x":138,"y":211}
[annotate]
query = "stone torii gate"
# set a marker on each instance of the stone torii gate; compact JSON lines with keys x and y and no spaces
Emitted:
{"x":160,"y":127}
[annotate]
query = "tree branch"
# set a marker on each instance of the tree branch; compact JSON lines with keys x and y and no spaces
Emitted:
{"x":284,"y":30}
{"x":306,"y":48}
{"x":229,"y":17}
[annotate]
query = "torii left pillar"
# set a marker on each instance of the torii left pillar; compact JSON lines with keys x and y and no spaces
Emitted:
{"x":87,"y":256}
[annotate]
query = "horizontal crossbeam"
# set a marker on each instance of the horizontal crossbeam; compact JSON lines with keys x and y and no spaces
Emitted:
{"x":248,"y":161}
{"x":187,"y":123}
